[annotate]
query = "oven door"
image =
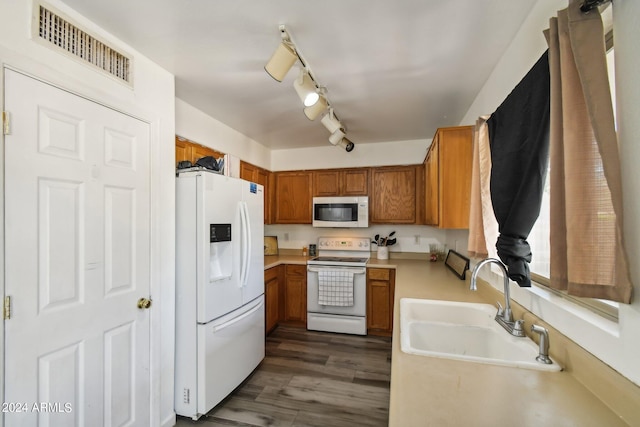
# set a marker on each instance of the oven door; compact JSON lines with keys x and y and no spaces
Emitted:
{"x":359,"y":307}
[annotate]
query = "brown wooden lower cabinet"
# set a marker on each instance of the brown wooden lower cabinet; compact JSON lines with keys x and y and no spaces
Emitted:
{"x":295,"y":295}
{"x":271,"y":298}
{"x":286,"y":298}
{"x":381,"y":284}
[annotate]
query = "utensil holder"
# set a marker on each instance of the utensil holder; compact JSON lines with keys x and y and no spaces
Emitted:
{"x":383,"y":252}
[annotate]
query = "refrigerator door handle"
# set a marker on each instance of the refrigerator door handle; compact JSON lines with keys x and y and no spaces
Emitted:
{"x":246,"y":244}
{"x":237,"y":319}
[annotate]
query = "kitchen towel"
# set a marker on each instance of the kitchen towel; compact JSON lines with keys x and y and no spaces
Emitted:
{"x":335,"y":288}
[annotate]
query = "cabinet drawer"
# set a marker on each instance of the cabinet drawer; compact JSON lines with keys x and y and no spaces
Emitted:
{"x":296,"y":270}
{"x":270,"y":274}
{"x":379,"y":273}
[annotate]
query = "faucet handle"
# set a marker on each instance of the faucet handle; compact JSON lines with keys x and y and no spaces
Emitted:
{"x":500,"y":309}
{"x":519,"y":325}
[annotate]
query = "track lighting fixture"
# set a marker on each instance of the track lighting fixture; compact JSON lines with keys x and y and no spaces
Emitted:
{"x":338,"y":139}
{"x":316,"y":109}
{"x":306,"y":89}
{"x":346,"y":144}
{"x":313,"y":95}
{"x":330,"y":121}
{"x":336,"y":136}
{"x":281,"y":61}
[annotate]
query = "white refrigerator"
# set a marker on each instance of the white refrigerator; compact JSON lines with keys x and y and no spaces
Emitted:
{"x":219,"y":287}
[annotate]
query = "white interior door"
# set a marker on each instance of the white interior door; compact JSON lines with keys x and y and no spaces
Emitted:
{"x":77,"y":260}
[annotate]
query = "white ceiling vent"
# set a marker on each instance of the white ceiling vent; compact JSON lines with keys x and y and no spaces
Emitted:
{"x":51,"y":27}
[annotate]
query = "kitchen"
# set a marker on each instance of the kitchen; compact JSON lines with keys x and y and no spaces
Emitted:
{"x":154,"y":100}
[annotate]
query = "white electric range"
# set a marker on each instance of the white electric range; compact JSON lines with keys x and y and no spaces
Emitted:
{"x":340,"y":261}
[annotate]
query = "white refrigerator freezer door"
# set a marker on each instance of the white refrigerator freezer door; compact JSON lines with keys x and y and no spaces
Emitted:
{"x":253,"y":201}
{"x":229,"y":349}
{"x":219,"y":290}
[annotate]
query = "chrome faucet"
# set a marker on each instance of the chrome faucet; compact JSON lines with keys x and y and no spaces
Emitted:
{"x":504,"y":316}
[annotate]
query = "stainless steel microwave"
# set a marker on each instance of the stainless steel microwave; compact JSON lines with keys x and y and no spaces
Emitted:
{"x":341,"y":211}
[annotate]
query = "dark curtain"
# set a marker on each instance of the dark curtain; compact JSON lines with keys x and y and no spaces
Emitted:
{"x":519,"y":138}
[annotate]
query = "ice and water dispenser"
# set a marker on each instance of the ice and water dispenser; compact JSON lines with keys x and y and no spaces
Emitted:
{"x":220,"y":252}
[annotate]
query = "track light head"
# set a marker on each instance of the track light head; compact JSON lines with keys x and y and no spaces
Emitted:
{"x":316,"y":109}
{"x":281,"y":61}
{"x":306,"y":88}
{"x":330,"y":121}
{"x":347,"y":145}
{"x":336,"y":137}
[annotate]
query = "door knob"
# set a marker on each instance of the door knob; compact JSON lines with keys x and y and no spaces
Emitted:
{"x":144,"y":303}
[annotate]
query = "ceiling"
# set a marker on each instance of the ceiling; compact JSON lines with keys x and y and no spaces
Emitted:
{"x":394,"y":70}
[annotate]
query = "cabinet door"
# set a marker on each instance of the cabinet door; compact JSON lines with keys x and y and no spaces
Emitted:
{"x":293,"y":198}
{"x":380,"y":295}
{"x":454,"y":176}
{"x":247,"y":171}
{"x":355,"y":182}
{"x":340,"y":182}
{"x":393,"y":195}
{"x":448,"y":178}
{"x":260,"y":176}
{"x":295,"y":296}
{"x":187,"y":150}
{"x":431,"y":185}
{"x":271,"y":296}
{"x":183,"y":150}
{"x":326,"y":183}
{"x":200,"y":151}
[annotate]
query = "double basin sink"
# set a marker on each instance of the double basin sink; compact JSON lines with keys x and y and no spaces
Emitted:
{"x":464,"y":331}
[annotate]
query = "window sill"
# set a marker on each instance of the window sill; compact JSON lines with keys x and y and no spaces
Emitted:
{"x":538,"y":295}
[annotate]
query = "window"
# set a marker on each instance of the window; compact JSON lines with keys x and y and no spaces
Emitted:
{"x":539,"y":236}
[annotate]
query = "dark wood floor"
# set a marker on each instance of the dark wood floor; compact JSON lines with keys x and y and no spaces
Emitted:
{"x":311,"y":379}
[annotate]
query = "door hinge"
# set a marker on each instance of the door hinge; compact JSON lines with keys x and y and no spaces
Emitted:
{"x":7,"y":308}
{"x":6,"y":128}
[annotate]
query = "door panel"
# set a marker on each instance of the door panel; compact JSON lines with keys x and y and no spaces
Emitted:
{"x":254,"y":202}
{"x":219,"y":288}
{"x":77,"y":259}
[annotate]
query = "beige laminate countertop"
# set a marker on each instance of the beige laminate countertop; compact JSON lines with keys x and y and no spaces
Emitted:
{"x":428,"y":391}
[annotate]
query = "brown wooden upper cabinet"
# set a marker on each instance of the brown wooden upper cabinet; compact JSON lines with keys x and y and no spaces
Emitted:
{"x":393,"y":194}
{"x":260,"y":176}
{"x":448,"y":178}
{"x":187,"y":150}
{"x":340,"y":182}
{"x":293,"y":197}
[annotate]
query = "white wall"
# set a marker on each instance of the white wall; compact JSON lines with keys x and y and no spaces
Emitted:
{"x":616,"y":344}
{"x":410,"y":238}
{"x":378,"y":154}
{"x":197,"y":126}
{"x":152,"y":100}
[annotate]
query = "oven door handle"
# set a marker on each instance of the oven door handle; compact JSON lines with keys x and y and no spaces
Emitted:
{"x":353,"y":270}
